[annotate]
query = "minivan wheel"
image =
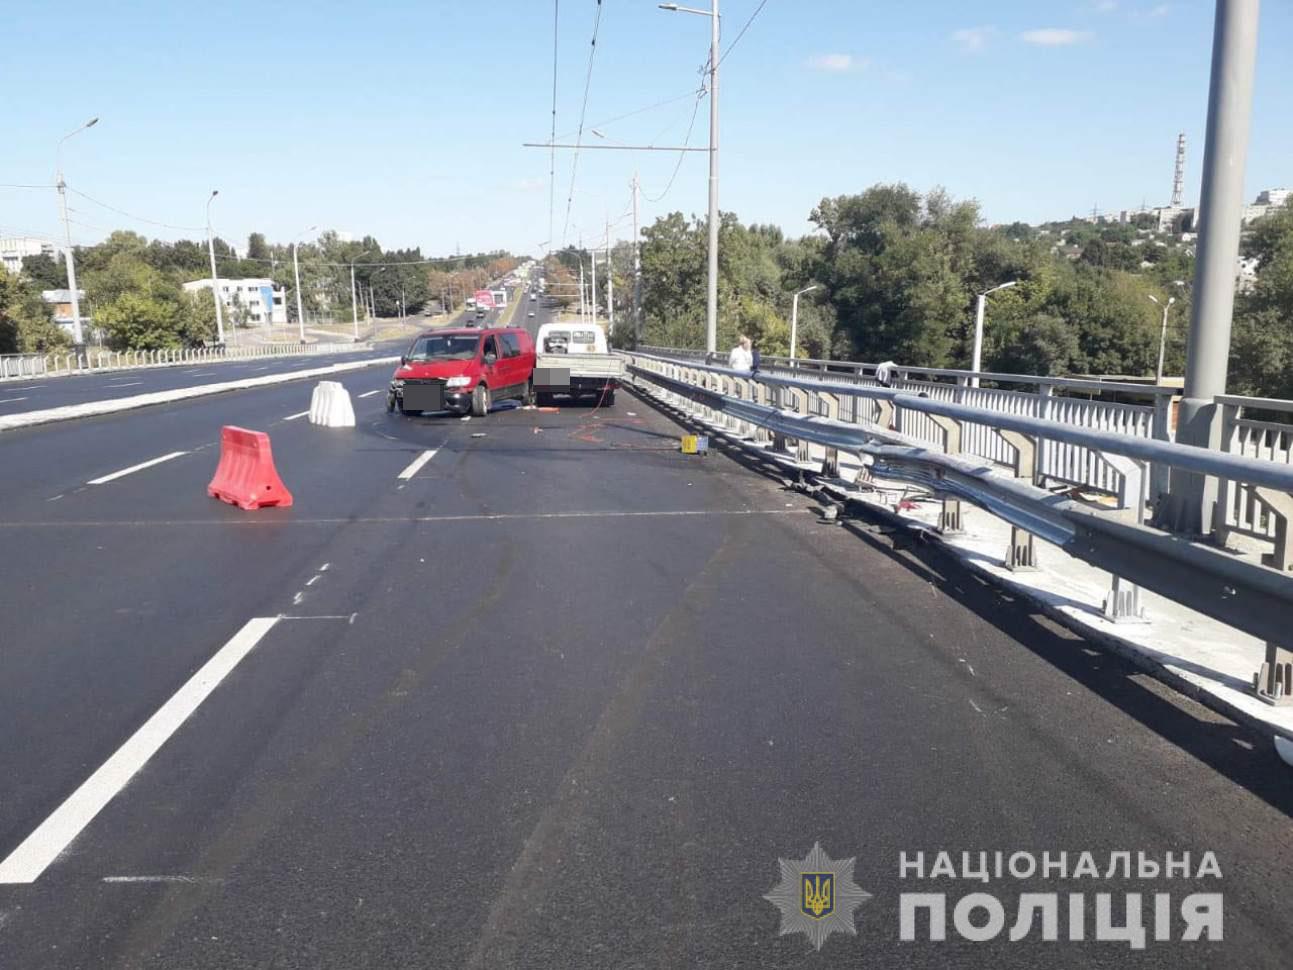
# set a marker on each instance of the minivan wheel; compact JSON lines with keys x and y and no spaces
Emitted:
{"x":480,"y":401}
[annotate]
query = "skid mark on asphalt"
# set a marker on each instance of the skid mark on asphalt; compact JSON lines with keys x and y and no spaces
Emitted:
{"x":35,"y":853}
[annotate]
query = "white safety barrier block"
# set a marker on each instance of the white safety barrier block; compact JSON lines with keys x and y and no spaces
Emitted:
{"x":330,"y":406}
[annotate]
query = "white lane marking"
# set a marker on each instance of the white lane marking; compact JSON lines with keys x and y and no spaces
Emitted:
{"x":298,"y":414}
{"x":254,"y":369}
{"x":324,"y":567}
{"x":127,"y":384}
{"x":417,"y":463}
{"x":134,"y":468}
{"x":203,"y":373}
{"x":296,"y":599}
{"x":184,"y":879}
{"x":55,"y":498}
{"x":14,"y":400}
{"x":365,"y":394}
{"x":55,"y":834}
{"x":314,"y":579}
{"x":28,"y":387}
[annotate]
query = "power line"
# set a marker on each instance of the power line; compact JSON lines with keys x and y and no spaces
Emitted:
{"x":741,"y":34}
{"x":700,"y":96}
{"x":583,"y":111}
{"x":636,"y":111}
{"x":8,"y":185}
{"x":131,"y":215}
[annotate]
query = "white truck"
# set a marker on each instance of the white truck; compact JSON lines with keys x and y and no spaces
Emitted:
{"x":572,"y":359}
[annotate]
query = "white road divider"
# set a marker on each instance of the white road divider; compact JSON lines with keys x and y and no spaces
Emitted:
{"x":67,"y":412}
{"x":330,"y":406}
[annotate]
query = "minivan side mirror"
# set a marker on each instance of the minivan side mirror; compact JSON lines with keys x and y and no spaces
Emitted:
{"x":490,"y":357}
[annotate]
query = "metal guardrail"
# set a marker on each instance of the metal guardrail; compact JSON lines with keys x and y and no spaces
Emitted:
{"x":20,"y":366}
{"x":1048,"y":398}
{"x":776,"y":410}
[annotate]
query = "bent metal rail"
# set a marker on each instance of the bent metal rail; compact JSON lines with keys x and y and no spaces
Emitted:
{"x":1249,"y":597}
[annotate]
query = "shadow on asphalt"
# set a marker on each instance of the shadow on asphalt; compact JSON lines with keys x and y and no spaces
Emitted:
{"x":1239,"y":752}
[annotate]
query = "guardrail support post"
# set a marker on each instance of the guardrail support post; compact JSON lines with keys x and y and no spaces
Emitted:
{"x":1273,"y":683}
{"x":1122,"y":605}
{"x":1279,"y":505}
{"x":949,"y":520}
{"x":831,"y":460}
{"x":1022,"y":553}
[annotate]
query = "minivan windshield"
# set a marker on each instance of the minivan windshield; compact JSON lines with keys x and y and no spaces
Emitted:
{"x":447,"y":347}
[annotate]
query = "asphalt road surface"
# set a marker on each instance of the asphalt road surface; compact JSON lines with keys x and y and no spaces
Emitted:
{"x":537,"y":690}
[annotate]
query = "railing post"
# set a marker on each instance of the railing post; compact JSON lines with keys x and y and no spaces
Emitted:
{"x":831,"y":460}
{"x":1022,"y":553}
{"x":1273,"y":682}
{"x":1160,"y":475}
{"x":950,"y":521}
{"x":1280,"y":506}
{"x":1225,"y":488}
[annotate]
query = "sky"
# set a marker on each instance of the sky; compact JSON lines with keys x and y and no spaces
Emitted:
{"x":406,"y":119}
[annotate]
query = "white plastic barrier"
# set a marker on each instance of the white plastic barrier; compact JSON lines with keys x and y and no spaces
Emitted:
{"x":330,"y":406}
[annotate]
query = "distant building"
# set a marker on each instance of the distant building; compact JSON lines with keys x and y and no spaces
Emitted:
{"x":259,"y":300}
{"x":14,"y":249}
{"x":1267,"y":201}
{"x":60,"y":302}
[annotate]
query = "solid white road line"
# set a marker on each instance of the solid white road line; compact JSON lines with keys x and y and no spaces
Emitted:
{"x":298,"y":414}
{"x":134,"y":468}
{"x":417,"y":463}
{"x":55,"y":834}
{"x":14,"y":400}
{"x":365,"y":394}
{"x":127,"y":384}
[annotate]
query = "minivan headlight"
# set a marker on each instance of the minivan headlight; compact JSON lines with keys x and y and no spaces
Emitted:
{"x":462,"y":381}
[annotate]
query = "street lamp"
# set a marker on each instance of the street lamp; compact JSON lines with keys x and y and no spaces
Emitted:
{"x":1162,"y":336}
{"x":296,"y":271}
{"x":215,"y":277}
{"x":67,"y":229}
{"x":794,"y":317}
{"x":711,"y":296}
{"x":978,"y":329}
{"x":354,"y":306}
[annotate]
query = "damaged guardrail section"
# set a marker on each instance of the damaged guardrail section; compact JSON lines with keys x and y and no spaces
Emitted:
{"x":790,"y":415}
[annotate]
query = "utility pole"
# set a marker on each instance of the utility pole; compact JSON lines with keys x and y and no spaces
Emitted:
{"x":1230,"y":103}
{"x":215,"y":277}
{"x":296,"y":272}
{"x":711,"y":301}
{"x":610,"y":284}
{"x":592,"y":259}
{"x":637,"y":270}
{"x":77,"y":337}
{"x":581,"y":290}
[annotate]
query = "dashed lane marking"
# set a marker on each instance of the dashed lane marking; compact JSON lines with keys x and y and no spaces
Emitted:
{"x":298,"y":414}
{"x":416,"y":464}
{"x":365,"y":394}
{"x":12,"y":400}
{"x":406,"y":519}
{"x":127,"y":384}
{"x":104,"y":479}
{"x":35,"y":853}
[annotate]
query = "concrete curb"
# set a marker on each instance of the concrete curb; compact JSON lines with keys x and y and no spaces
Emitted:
{"x":90,"y":409}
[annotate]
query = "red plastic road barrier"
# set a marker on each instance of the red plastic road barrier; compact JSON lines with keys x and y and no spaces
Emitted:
{"x":245,"y":476}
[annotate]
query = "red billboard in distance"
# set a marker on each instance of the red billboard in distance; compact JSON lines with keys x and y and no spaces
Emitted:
{"x":484,"y":298}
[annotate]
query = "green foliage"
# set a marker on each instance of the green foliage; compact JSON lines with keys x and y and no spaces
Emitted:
{"x":45,"y":272}
{"x":138,"y":321}
{"x":25,"y":323}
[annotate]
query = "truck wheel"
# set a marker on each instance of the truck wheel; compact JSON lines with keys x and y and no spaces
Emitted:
{"x":480,"y":401}
{"x":608,"y":399}
{"x":530,"y":396}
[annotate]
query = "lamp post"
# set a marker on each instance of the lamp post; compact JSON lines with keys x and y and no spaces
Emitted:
{"x":215,"y":277}
{"x":711,"y":300}
{"x":794,"y":317}
{"x":77,"y":337}
{"x":978,"y":329}
{"x":1162,"y":335}
{"x":296,"y":272}
{"x":354,"y":305}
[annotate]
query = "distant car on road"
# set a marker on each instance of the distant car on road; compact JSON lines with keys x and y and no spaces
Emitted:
{"x":463,"y":369}
{"x":530,"y":314}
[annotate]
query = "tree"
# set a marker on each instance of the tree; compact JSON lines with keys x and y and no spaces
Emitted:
{"x":25,"y":323}
{"x":45,"y":272}
{"x":257,"y":248}
{"x":137,"y":321}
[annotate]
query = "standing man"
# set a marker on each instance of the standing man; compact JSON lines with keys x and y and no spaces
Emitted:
{"x":740,"y":358}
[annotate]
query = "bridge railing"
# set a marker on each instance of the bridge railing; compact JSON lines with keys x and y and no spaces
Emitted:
{"x":1240,"y":507}
{"x":811,"y":420}
{"x":21,"y":366}
{"x":1057,"y":399}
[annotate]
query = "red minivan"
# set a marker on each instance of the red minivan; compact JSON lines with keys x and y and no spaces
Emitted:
{"x":463,"y":369}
